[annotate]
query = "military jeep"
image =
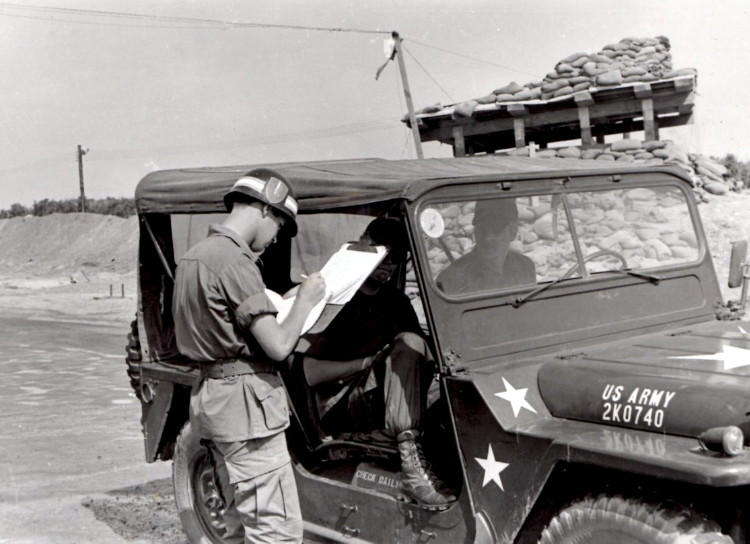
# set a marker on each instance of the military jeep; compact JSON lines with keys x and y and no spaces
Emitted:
{"x":600,"y":400}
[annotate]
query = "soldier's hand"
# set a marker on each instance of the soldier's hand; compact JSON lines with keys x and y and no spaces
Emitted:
{"x":312,"y":289}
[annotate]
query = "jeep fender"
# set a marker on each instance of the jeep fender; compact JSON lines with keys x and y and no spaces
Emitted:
{"x":508,"y":466}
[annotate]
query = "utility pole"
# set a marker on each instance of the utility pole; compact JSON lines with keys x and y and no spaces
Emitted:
{"x":81,"y":152}
{"x":407,"y":94}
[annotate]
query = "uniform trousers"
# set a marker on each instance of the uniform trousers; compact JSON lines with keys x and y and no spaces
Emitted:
{"x":265,"y":507}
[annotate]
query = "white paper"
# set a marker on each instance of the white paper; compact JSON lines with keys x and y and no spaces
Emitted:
{"x":344,"y":274}
{"x":347,"y":270}
{"x":284,"y":306}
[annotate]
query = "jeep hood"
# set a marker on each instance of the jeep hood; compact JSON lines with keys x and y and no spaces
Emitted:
{"x":677,"y":382}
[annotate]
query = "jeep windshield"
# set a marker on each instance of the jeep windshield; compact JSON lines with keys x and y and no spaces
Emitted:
{"x":528,"y":243}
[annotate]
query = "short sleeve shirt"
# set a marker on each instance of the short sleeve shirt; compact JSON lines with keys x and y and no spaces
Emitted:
{"x":218,"y":293}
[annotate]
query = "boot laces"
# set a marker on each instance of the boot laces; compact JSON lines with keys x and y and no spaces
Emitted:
{"x":425,"y":467}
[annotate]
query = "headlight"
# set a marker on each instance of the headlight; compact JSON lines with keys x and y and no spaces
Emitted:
{"x":725,"y":440}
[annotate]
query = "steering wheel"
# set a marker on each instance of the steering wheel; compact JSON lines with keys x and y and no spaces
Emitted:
{"x":591,"y":256}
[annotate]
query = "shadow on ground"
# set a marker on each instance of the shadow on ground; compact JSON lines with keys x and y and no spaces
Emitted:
{"x":142,"y":513}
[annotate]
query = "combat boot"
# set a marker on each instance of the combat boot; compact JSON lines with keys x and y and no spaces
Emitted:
{"x":418,"y":483}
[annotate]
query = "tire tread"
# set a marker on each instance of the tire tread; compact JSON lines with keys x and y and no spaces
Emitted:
{"x":655,"y":524}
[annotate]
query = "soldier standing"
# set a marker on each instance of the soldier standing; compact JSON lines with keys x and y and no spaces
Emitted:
{"x":225,"y":321}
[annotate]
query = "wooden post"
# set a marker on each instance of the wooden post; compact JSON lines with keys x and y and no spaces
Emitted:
{"x":518,"y":112}
{"x":459,"y":146}
{"x":407,"y":95}
{"x":585,"y":122}
{"x":645,"y":93}
{"x":519,"y":131}
{"x":649,"y":123}
{"x":81,"y":152}
{"x":584,"y":100}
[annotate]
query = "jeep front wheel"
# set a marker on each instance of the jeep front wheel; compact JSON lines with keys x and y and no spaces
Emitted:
{"x":197,"y":491}
{"x":616,"y":520}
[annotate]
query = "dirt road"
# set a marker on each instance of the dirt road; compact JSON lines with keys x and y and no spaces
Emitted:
{"x":70,"y":438}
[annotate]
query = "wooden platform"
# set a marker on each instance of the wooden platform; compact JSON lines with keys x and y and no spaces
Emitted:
{"x":588,"y":115}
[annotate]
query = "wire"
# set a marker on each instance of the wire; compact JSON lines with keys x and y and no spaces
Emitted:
{"x":115,"y":154}
{"x":428,"y":74}
{"x":472,"y":58}
{"x":181,"y":20}
{"x":211,"y":23}
{"x":314,"y":134}
{"x":42,"y":163}
{"x":98,"y":23}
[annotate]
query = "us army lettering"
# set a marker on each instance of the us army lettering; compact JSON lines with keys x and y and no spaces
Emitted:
{"x":641,"y":406}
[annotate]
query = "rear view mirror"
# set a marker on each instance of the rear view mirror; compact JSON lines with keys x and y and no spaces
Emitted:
{"x":738,"y":258}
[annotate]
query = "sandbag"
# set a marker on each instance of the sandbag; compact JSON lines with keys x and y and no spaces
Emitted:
{"x":465,"y":109}
{"x":613,"y":77}
{"x":625,"y":145}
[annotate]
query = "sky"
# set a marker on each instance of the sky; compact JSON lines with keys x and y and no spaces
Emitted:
{"x":209,"y":83}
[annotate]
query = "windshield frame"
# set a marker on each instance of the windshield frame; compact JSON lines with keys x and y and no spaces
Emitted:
{"x":561,"y":188}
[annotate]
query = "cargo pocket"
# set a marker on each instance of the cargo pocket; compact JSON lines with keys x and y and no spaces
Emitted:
{"x":271,"y":397}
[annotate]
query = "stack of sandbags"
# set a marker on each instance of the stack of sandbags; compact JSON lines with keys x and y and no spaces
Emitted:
{"x":708,"y":175}
{"x":630,"y":60}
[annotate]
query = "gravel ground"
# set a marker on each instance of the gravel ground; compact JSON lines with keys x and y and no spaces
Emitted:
{"x":141,"y":513}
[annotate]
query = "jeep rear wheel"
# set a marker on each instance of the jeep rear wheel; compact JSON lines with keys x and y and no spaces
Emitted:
{"x":197,"y":494}
{"x":616,"y":520}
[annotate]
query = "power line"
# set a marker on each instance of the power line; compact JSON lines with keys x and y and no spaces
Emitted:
{"x":258,"y":141}
{"x":197,"y":23}
{"x":211,"y":23}
{"x":99,"y":23}
{"x":180,"y":20}
{"x":428,"y":74}
{"x":115,"y":154}
{"x":471,"y":58}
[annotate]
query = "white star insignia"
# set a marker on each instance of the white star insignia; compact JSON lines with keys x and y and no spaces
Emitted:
{"x":516,"y":397}
{"x":733,"y":357}
{"x":492,"y":468}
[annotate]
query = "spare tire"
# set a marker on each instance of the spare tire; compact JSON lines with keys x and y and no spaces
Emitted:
{"x":617,"y":520}
{"x":134,"y":358}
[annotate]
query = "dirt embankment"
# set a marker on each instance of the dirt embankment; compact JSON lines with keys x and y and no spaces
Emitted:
{"x":69,"y":264}
{"x":65,"y":245}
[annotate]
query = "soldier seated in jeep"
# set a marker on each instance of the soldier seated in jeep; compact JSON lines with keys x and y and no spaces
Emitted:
{"x":491,"y":264}
{"x":371,"y":368}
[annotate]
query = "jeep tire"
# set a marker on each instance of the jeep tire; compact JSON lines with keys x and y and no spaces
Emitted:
{"x":616,"y":520}
{"x":134,"y":358}
{"x":200,"y":503}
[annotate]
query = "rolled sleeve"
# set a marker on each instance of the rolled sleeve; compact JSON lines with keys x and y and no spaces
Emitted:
{"x":253,"y":306}
{"x":243,"y":289}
